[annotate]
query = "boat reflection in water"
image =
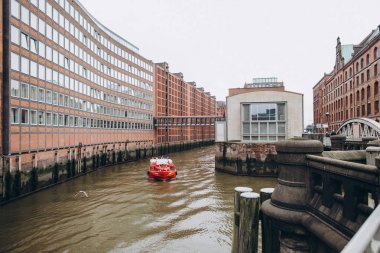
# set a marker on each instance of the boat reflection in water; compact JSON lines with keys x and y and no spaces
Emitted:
{"x":162,"y":169}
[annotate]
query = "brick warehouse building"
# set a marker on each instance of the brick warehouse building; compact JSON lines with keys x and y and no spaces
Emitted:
{"x":177,"y":98}
{"x":69,"y":82}
{"x":352,"y":89}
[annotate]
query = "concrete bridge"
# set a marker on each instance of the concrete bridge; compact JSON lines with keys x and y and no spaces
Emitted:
{"x":322,"y":200}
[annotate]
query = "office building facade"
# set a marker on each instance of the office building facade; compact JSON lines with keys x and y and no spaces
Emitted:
{"x":69,"y":81}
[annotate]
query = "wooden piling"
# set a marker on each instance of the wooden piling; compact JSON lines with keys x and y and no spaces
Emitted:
{"x":238,"y":192}
{"x":265,"y":194}
{"x":249,"y":222}
{"x":268,"y":234}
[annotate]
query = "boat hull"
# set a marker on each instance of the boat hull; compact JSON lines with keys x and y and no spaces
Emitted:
{"x":162,"y":176}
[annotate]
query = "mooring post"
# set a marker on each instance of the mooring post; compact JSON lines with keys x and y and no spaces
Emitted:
{"x":235,"y":238}
{"x":267,"y":232}
{"x":249,"y":222}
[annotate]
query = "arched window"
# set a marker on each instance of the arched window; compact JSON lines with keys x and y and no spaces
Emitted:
{"x":350,"y":72}
{"x":357,"y":67}
{"x":367,"y":59}
{"x":376,"y":88}
{"x":375,"y":53}
{"x":361,"y":63}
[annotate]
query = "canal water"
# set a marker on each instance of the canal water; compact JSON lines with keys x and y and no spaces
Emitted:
{"x":126,"y":212}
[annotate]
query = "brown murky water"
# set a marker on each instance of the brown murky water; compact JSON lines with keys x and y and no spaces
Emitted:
{"x":126,"y":212}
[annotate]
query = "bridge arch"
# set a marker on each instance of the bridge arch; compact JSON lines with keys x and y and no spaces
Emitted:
{"x":360,"y":127}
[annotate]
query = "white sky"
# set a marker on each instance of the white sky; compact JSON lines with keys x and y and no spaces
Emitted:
{"x":221,"y":44}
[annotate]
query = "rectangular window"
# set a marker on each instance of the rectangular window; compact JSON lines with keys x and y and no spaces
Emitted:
{"x":33,"y":91}
{"x":24,"y":15}
{"x":24,"y":90}
{"x":33,"y":68}
{"x":55,"y":119}
{"x":48,"y":118}
{"x":15,"y":9}
{"x":24,"y":116}
{"x":41,"y":118}
{"x":15,"y":88}
{"x":55,"y":98}
{"x":25,"y":40}
{"x":42,"y":26}
{"x":15,"y":35}
{"x":61,"y":120}
{"x":25,"y":65}
{"x":260,"y":121}
{"x":33,"y":21}
{"x":41,"y":72}
{"x":41,"y":49}
{"x":49,"y":97}
{"x":15,"y":117}
{"x":42,"y":5}
{"x":33,"y":45}
{"x":15,"y":61}
{"x":33,"y":117}
{"x":41,"y":95}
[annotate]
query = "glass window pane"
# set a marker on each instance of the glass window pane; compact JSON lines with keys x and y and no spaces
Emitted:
{"x":272,"y":128}
{"x":281,"y":111}
{"x":245,"y":112}
{"x":24,"y":116}
{"x":15,"y":61}
{"x":255,"y":128}
{"x":24,"y":40}
{"x":15,"y":117}
{"x":15,"y":9}
{"x":33,"y":68}
{"x":33,"y":117}
{"x":281,"y":128}
{"x":33,"y":21}
{"x":263,"y":128}
{"x":25,"y":65}
{"x":24,"y":15}
{"x":246,"y":128}
{"x":24,"y":90}
{"x":15,"y":35}
{"x":33,"y":93}
{"x":41,"y":118}
{"x":15,"y":88}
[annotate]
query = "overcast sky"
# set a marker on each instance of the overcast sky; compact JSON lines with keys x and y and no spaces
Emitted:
{"x":221,"y":44}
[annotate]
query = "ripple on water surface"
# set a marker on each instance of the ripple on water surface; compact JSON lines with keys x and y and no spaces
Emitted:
{"x":126,"y":212}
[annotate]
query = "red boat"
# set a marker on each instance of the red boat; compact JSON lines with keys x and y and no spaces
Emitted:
{"x":162,"y":169}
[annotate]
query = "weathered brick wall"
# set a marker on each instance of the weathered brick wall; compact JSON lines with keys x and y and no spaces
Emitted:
{"x":253,"y":159}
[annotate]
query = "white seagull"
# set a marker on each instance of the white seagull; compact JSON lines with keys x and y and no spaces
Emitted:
{"x":81,"y":192}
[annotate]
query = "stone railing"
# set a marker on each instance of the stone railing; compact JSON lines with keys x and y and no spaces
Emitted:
{"x":319,"y":202}
{"x":252,"y":159}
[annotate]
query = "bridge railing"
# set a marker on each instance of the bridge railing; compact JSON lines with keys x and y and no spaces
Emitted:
{"x":319,"y":202}
{"x":367,"y":239}
{"x":351,"y":188}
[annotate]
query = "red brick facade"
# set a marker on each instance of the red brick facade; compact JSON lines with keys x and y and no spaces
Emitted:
{"x":351,"y":90}
{"x":176,"y":97}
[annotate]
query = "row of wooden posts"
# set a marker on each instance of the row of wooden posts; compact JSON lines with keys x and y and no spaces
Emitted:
{"x":246,"y":220}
